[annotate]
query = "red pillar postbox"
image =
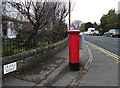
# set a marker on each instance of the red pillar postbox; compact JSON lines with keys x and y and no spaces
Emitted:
{"x":73,"y":44}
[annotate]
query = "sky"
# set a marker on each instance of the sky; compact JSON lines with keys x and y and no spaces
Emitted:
{"x":92,"y":10}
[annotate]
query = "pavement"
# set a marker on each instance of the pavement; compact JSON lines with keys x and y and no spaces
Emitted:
{"x":35,"y":75}
{"x":103,"y":70}
{"x":97,"y":69}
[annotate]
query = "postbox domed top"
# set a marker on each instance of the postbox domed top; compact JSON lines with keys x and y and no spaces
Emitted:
{"x":73,"y":31}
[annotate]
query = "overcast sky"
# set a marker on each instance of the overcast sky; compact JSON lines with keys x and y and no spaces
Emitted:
{"x":92,"y":10}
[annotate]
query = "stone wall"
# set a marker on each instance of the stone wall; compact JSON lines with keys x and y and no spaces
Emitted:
{"x":29,"y":58}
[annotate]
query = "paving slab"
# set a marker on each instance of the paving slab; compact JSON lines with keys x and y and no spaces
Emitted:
{"x":66,"y":79}
{"x":84,"y":55}
{"x":11,"y":81}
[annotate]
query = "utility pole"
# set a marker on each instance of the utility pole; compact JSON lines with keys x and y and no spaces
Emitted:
{"x":69,"y":13}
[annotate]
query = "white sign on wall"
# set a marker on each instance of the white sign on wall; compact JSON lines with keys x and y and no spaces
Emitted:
{"x":10,"y":67}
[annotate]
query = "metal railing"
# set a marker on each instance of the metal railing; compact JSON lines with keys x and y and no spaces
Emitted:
{"x":12,"y":46}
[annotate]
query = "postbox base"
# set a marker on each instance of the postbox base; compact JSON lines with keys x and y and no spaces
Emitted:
{"x":74,"y":66}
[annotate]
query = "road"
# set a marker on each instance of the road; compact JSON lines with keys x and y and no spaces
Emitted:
{"x":109,"y":43}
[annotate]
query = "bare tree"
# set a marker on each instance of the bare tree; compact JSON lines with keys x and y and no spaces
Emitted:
{"x":76,"y":24}
{"x":39,"y":16}
{"x":37,"y":13}
{"x":58,"y":18}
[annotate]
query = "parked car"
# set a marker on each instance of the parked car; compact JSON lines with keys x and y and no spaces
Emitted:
{"x":85,"y":32}
{"x":96,"y":32}
{"x":90,"y":31}
{"x":113,"y":33}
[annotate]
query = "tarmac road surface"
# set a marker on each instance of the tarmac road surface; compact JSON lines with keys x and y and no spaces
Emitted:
{"x":109,"y":43}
